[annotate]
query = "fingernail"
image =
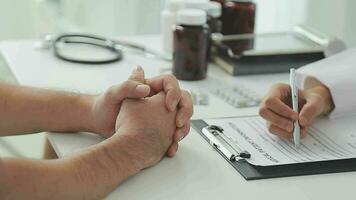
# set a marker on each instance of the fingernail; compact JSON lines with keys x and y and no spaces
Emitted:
{"x":139,"y":68}
{"x":142,"y":88}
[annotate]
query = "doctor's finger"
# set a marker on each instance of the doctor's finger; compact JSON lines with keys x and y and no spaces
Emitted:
{"x":311,"y":109}
{"x":278,"y":106}
{"x":280,"y":90}
{"x":303,"y":132}
{"x":275,"y":130}
{"x":276,"y":119}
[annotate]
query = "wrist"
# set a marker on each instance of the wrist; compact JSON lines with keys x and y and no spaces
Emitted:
{"x":327,"y":101}
{"x":124,"y":148}
{"x":142,"y":146}
{"x":108,"y":163}
{"x":86,"y":103}
{"x":311,"y":83}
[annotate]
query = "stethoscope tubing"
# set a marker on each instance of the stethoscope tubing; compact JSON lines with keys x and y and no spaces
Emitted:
{"x":108,"y":44}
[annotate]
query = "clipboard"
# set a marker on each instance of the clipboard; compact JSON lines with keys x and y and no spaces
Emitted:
{"x":252,"y":172}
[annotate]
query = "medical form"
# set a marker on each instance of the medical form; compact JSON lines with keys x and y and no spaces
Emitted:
{"x":327,"y":139}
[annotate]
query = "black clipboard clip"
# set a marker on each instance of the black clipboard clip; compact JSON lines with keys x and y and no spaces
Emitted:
{"x":217,"y":138}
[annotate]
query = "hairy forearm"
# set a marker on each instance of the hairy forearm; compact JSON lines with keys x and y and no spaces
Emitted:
{"x":28,"y":110}
{"x":90,"y":174}
{"x":103,"y":168}
{"x":32,"y":179}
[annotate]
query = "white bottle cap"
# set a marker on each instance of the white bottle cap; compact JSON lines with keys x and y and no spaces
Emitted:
{"x":196,"y":4}
{"x":214,"y":9}
{"x":193,"y":17}
{"x":174,"y":5}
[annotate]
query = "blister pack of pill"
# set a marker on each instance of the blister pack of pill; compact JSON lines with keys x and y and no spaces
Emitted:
{"x":236,"y":95}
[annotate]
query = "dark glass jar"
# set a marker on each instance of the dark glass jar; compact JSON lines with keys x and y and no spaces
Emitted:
{"x":190,"y":45}
{"x":238,"y":17}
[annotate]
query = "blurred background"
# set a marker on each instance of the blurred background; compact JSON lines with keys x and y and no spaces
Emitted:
{"x":34,"y":18}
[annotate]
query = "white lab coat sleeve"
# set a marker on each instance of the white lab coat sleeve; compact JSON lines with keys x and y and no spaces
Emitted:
{"x":338,"y":73}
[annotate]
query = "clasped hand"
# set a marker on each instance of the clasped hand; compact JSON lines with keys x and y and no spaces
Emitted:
{"x":107,"y":106}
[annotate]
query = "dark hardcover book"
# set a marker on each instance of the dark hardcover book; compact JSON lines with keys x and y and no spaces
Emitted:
{"x":265,"y":64}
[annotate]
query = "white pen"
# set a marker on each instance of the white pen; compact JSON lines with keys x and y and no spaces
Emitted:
{"x":294,"y":91}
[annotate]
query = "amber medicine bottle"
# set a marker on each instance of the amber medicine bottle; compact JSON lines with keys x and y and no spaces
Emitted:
{"x":190,"y":45}
{"x":238,"y":17}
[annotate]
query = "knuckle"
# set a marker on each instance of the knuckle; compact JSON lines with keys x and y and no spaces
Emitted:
{"x":170,"y":77}
{"x":263,"y":112}
{"x":187,"y":95}
{"x":186,"y":106}
{"x":110,"y":93}
{"x":269,"y":102}
{"x":183,"y":114}
{"x":279,"y":86}
{"x":186,"y":100}
{"x":176,"y":92}
{"x":128,"y":85}
{"x":290,"y":115}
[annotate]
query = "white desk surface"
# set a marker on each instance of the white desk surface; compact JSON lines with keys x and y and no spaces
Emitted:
{"x":198,"y":171}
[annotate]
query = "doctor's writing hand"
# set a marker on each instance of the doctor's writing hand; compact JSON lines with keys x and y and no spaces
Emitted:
{"x":276,"y":108}
{"x":175,"y":99}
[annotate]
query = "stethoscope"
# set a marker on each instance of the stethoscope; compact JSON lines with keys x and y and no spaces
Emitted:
{"x":114,"y":47}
